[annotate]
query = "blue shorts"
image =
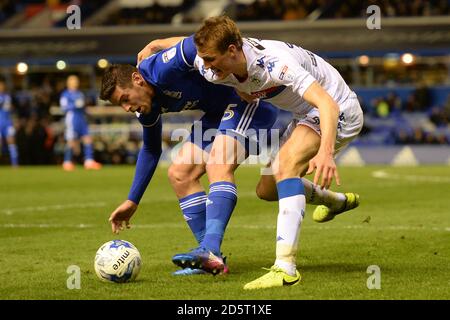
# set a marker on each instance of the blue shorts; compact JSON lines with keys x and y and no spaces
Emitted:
{"x":241,"y":120}
{"x":6,"y":130}
{"x":76,"y":127}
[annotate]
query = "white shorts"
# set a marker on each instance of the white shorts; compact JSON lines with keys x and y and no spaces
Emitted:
{"x":350,"y":123}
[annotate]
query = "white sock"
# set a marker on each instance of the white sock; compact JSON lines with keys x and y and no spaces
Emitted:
{"x":290,"y":216}
{"x":315,"y":195}
{"x":289,"y":268}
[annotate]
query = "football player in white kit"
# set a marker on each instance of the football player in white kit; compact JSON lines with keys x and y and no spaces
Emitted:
{"x":327,"y":116}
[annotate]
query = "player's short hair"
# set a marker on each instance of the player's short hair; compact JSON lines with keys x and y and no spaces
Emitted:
{"x":219,"y":33}
{"x":116,"y":75}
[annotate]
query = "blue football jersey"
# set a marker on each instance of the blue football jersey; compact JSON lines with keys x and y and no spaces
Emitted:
{"x":72,"y":101}
{"x":178,"y":85}
{"x":5,"y":108}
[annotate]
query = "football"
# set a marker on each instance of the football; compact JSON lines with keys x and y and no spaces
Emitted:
{"x":117,"y":261}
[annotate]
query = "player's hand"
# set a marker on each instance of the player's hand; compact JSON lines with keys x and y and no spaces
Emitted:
{"x":245,"y":96}
{"x":122,"y":215}
{"x":151,"y":48}
{"x":325,"y":166}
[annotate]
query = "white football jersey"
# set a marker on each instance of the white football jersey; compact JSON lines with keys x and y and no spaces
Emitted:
{"x":280,"y":73}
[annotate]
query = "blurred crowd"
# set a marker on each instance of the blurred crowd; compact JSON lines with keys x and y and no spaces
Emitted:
{"x":391,"y":120}
{"x":163,"y":11}
{"x":281,"y":10}
{"x":40,"y":130}
{"x":41,"y":141}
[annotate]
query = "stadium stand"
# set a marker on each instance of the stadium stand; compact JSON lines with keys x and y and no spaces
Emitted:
{"x":138,"y":12}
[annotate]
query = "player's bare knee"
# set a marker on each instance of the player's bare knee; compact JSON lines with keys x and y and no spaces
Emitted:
{"x":219,"y":172}
{"x":287,"y":171}
{"x":172,"y":174}
{"x":87,"y":140}
{"x":295,"y":167}
{"x":179,"y":175}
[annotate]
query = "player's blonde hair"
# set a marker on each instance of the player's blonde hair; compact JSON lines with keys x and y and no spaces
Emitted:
{"x":218,"y":33}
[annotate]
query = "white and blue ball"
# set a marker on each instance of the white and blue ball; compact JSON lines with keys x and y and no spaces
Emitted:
{"x":117,"y":261}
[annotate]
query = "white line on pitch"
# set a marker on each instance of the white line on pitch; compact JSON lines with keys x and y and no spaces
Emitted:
{"x":45,"y":225}
{"x":381,"y":174}
{"x":182,"y":226}
{"x":54,"y":207}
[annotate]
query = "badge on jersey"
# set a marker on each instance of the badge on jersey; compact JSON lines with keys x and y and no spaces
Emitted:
{"x":286,"y":74}
{"x":169,"y":54}
{"x":283,"y":72}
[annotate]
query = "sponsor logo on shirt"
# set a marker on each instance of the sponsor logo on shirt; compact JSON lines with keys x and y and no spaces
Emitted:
{"x":79,"y":103}
{"x":190,"y":105}
{"x":173,"y":94}
{"x":268,"y":93}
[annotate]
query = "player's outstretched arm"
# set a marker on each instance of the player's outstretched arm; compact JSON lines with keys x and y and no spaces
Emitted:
{"x":145,"y":167}
{"x":122,"y":215}
{"x":156,"y":46}
{"x":323,"y":162}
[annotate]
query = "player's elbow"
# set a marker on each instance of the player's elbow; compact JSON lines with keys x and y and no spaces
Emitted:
{"x":331,"y":104}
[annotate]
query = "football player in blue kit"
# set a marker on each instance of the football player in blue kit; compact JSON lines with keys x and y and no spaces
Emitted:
{"x":166,"y":82}
{"x":7,"y":130}
{"x":72,"y":103}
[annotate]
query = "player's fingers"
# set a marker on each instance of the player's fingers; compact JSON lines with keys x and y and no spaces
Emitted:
{"x":326,"y":174}
{"x":114,"y":227}
{"x":111,"y":220}
{"x":323,"y":181}
{"x":329,"y":178}
{"x":310,"y":167}
{"x":127,"y":224}
{"x":317,"y":175}
{"x":336,"y":175}
{"x":143,"y":54}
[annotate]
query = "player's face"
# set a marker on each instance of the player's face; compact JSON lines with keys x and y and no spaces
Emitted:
{"x":73,"y":83}
{"x":222,"y":64}
{"x":137,"y":98}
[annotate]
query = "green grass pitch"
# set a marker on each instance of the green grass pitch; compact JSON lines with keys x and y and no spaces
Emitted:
{"x":50,"y":220}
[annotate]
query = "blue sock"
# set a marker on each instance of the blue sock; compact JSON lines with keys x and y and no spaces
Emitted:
{"x":88,"y":152}
{"x":194,"y":212}
{"x":290,"y":187}
{"x":221,"y":201}
{"x":13,"y":154}
{"x":68,"y":154}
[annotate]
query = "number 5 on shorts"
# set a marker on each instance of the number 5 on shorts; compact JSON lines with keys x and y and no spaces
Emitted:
{"x":228,"y":114}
